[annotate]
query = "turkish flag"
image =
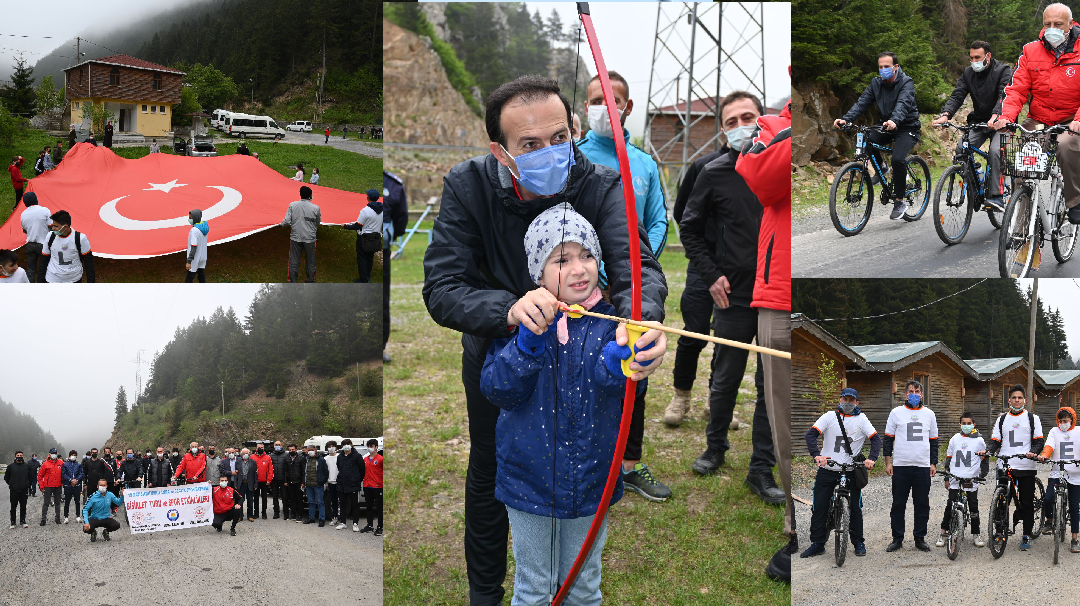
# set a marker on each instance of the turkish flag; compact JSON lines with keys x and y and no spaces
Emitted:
{"x":132,"y":209}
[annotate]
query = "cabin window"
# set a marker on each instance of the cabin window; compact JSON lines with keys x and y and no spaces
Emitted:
{"x":144,"y":110}
{"x":114,"y":77}
{"x":162,"y":109}
{"x":153,"y":109}
{"x":157,"y":82}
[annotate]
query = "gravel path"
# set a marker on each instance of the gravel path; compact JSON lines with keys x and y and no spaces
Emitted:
{"x":910,"y":576}
{"x":267,"y":562}
{"x":317,"y":138}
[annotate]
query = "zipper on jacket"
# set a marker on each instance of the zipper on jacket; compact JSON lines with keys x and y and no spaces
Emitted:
{"x":768,"y":257}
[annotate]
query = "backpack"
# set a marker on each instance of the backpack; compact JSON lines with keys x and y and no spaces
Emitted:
{"x":78,"y":242}
{"x":1001,"y":424}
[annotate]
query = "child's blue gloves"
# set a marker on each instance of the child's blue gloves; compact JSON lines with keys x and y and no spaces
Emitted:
{"x":614,"y":354}
{"x":533,"y":344}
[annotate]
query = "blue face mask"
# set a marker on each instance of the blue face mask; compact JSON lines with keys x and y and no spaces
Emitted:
{"x":544,"y":171}
{"x":913,"y":400}
{"x":886,"y":72}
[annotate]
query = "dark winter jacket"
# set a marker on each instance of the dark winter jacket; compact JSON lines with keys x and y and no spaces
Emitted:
{"x":278,"y":460}
{"x":575,"y":437}
{"x":476,"y":268}
{"x":96,"y":469}
{"x":687,"y":185}
{"x":895,"y":100}
{"x":350,"y":471}
{"x":160,"y":472}
{"x":723,"y":207}
{"x":295,"y":468}
{"x":71,"y":470}
{"x":19,"y":477}
{"x":130,"y":472}
{"x":986,"y":88}
{"x":322,"y":471}
{"x":176,"y":459}
{"x":397,"y":211}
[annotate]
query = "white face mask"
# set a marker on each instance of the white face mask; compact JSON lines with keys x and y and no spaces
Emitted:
{"x":245,"y":457}
{"x":311,"y":453}
{"x":71,"y":458}
{"x":599,"y":122}
{"x":223,"y":484}
{"x":101,"y":489}
{"x":232,"y":456}
{"x":347,"y":447}
{"x":1064,"y":425}
{"x":332,"y":450}
{"x":194,"y":451}
{"x":978,"y":66}
{"x":1054,"y":36}
{"x":740,"y":136}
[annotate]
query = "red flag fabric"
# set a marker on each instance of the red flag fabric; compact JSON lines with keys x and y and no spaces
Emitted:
{"x":133,"y":209}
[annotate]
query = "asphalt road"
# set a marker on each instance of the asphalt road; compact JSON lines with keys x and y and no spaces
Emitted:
{"x":299,"y":138}
{"x":909,"y":576}
{"x":899,"y":249}
{"x":267,"y":562}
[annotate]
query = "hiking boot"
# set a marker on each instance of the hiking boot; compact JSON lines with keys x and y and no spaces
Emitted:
{"x":105,"y":534}
{"x":977,"y":540}
{"x":941,"y":539}
{"x":642,"y":482}
{"x":93,"y":536}
{"x":815,"y":549}
{"x":678,"y":407}
{"x":894,"y":546}
{"x":921,"y":545}
{"x":899,"y":208}
{"x":764,"y":486}
{"x":708,"y":462}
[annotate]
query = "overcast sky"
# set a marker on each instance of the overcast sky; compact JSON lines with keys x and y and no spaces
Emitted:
{"x":626,"y":32}
{"x":69,"y":347}
{"x":1062,"y":294}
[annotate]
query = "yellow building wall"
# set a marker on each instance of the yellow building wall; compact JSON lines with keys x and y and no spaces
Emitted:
{"x":147,"y":124}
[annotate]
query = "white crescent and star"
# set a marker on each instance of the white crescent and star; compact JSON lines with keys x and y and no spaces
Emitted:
{"x":230,"y":199}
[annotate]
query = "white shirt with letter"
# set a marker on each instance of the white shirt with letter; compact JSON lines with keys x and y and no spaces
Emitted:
{"x":858,"y":428}
{"x":964,"y":462}
{"x":1066,"y":445}
{"x":912,"y":430}
{"x":1018,"y":436}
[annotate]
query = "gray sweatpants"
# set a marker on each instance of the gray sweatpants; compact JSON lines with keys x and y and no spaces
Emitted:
{"x":308,"y":250}
{"x":774,"y":330}
{"x":51,"y":494}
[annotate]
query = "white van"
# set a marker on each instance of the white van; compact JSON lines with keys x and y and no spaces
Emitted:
{"x":246,"y":125}
{"x":300,"y":126}
{"x":217,"y":118}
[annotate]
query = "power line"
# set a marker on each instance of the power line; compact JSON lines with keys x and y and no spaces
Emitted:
{"x":24,"y":36}
{"x":893,"y":313}
{"x":102,"y":46}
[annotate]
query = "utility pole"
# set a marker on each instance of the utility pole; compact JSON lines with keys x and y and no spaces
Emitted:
{"x":223,"y":398}
{"x":322,"y":80}
{"x":1031,"y":343}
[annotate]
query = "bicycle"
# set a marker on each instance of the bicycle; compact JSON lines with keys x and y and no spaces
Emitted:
{"x":958,"y":522}
{"x":851,"y":214}
{"x":1061,"y":505}
{"x":1007,"y":492}
{"x":1032,"y":157}
{"x":840,"y":510}
{"x":962,"y":189}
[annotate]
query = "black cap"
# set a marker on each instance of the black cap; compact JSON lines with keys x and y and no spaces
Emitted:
{"x":30,"y":198}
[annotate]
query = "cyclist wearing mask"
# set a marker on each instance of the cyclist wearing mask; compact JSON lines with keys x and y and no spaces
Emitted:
{"x":1045,"y":74}
{"x":894,"y":93}
{"x":131,"y":470}
{"x":48,"y":477}
{"x":985,"y":80}
{"x":1023,"y":435}
{"x":1061,"y":445}
{"x":962,"y":462}
{"x":911,"y":443}
{"x":160,"y":470}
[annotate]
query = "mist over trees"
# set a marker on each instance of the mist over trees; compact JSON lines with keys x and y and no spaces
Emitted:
{"x":19,"y":431}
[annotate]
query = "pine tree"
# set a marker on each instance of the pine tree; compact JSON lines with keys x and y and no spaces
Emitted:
{"x":20,"y":97}
{"x":121,"y":404}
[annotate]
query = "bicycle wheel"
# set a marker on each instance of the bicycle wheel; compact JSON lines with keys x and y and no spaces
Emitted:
{"x":956,"y":529}
{"x":852,"y":211}
{"x":1016,"y":242}
{"x":999,"y":522}
{"x":1040,"y":495}
{"x":842,"y":521}
{"x":953,"y":203}
{"x":1059,"y":521}
{"x":1064,"y":241}
{"x":918,"y":188}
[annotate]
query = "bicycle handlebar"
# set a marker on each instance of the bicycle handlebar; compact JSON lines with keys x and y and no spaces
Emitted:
{"x":851,"y":126}
{"x":1053,"y":130}
{"x":829,"y":462}
{"x":962,"y":128}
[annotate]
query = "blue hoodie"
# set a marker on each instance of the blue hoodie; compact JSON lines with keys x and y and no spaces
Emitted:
{"x":99,"y":506}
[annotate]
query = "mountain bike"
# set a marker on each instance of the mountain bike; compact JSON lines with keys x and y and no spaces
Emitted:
{"x":1061,"y":505}
{"x":1028,"y":220}
{"x":853,"y":184}
{"x":1006,"y":493}
{"x":962,"y":189}
{"x":840,"y":510}
{"x":958,"y":522}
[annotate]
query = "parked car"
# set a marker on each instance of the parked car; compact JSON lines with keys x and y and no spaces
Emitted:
{"x":180,"y":146}
{"x":202,"y":146}
{"x":300,"y":126}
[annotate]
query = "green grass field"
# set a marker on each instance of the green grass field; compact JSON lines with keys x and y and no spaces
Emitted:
{"x":261,"y":257}
{"x":708,"y":544}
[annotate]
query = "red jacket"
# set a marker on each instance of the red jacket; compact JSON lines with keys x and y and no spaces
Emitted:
{"x":17,"y":180}
{"x":766,"y":167}
{"x":328,"y":131}
{"x":49,"y":474}
{"x":225,"y":499}
{"x":373,"y":467}
{"x":193,"y":468}
{"x":265,"y":466}
{"x":1052,"y":83}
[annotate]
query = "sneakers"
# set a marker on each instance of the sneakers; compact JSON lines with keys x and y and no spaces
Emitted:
{"x":877,"y":177}
{"x":707,"y":463}
{"x":764,"y":486}
{"x":276,"y":516}
{"x":25,"y":525}
{"x":1075,"y":546}
{"x":995,"y":203}
{"x":232,"y":531}
{"x":941,"y":539}
{"x":899,"y":208}
{"x":367,"y":528}
{"x":1025,"y":543}
{"x":93,"y":535}
{"x":860,"y":549}
{"x":65,"y":520}
{"x":105,"y":534}
{"x":977,"y":540}
{"x":1048,"y":527}
{"x":779,"y":568}
{"x":814,"y":549}
{"x":378,"y":533}
{"x":78,"y":519}
{"x":251,"y":519}
{"x":641,"y":481}
{"x":12,"y":527}
{"x":356,"y":528}
{"x":678,"y":407}
{"x":1074,"y":215}
{"x":308,"y":520}
{"x":339,"y":526}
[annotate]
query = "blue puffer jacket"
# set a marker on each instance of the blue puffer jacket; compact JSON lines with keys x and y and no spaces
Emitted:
{"x":71,"y":470}
{"x":99,"y":506}
{"x":589,"y":407}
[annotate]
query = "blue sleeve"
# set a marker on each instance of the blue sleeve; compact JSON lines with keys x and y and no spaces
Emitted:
{"x":86,"y":511}
{"x":656,"y":221}
{"x":509,"y":376}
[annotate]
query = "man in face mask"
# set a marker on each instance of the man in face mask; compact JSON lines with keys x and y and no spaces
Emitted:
{"x":19,"y":478}
{"x":1045,"y":75}
{"x":213,"y":464}
{"x":65,"y":257}
{"x":532,"y":167}
{"x":72,"y":478}
{"x":176,"y":458}
{"x":893,"y":92}
{"x":1018,"y":431}
{"x":192,"y":466}
{"x":160,"y":470}
{"x":911,"y":457}
{"x":131,"y":470}
{"x":985,"y":80}
{"x":49,"y":478}
{"x":599,"y":147}
{"x":96,"y":512}
{"x":719,"y":229}
{"x":265,"y":476}
{"x":280,"y":478}
{"x":295,"y":468}
{"x":227,"y":501}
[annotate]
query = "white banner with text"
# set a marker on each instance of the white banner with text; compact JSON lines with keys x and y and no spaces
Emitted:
{"x":169,"y":507}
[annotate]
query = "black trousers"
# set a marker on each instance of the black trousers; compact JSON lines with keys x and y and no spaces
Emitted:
{"x":33,"y":254}
{"x":973,"y":509}
{"x":737,"y":323}
{"x":1074,"y":502}
{"x":386,"y":294}
{"x":221,"y":518}
{"x":373,"y":498}
{"x":902,"y":142}
{"x":261,"y":491}
{"x":350,"y":506}
{"x":697,"y":310}
{"x":916,"y":482}
{"x":364,"y":262}
{"x":296,"y":499}
{"x":824,"y":484}
{"x":72,"y":492}
{"x":18,"y":499}
{"x":189,"y":276}
{"x":109,"y":524}
{"x":277,"y":491}
{"x":1027,"y":497}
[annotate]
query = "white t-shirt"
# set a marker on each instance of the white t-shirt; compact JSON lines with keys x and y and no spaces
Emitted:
{"x":1066,"y":445}
{"x":64,"y":262}
{"x":331,"y":465}
{"x":859,"y":430}
{"x":912,"y":430}
{"x":35,"y":221}
{"x":197,"y":239}
{"x":371,"y":220}
{"x":19,"y":277}
{"x":1018,"y":438}
{"x":965,"y":463}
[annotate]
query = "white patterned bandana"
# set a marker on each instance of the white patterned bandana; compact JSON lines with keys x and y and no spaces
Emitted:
{"x":558,"y":224}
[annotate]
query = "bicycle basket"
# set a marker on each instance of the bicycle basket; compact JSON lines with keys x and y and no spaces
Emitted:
{"x":1029,"y":156}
